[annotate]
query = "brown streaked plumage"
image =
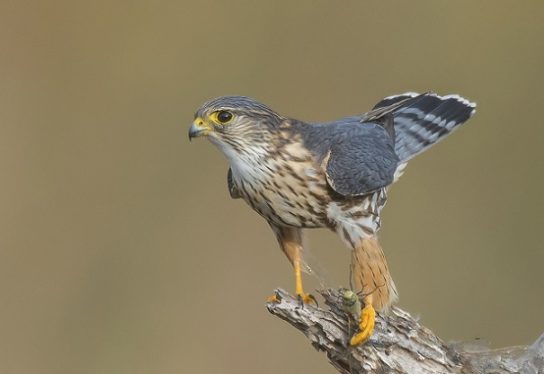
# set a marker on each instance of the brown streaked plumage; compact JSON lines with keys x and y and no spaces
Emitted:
{"x":333,"y":175}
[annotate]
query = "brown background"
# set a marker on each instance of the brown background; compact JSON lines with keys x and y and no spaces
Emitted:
{"x":120,"y":249}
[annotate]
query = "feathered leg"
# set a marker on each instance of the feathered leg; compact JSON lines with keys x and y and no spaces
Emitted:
{"x":371,"y":276}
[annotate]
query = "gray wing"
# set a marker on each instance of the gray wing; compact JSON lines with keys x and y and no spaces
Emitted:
{"x":362,"y":153}
{"x":360,"y":159}
{"x":234,"y":192}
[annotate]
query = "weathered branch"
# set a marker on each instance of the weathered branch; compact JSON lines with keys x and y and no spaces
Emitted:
{"x":399,"y":343}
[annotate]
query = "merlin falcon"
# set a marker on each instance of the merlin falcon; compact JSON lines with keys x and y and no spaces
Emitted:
{"x":335,"y":175}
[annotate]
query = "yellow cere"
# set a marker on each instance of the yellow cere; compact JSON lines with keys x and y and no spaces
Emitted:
{"x":201,"y":125}
{"x":199,"y":122}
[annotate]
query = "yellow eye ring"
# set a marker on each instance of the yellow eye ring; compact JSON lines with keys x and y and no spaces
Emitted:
{"x":222,"y":116}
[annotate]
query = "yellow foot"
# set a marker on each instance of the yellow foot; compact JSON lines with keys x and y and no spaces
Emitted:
{"x":366,"y":326}
{"x":307,"y":298}
{"x":303,"y":297}
{"x":273,"y":299}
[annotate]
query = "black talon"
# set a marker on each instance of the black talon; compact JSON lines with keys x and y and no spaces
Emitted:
{"x":310,"y":296}
{"x":314,"y":300}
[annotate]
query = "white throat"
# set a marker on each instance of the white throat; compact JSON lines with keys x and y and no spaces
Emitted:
{"x":248,"y":166}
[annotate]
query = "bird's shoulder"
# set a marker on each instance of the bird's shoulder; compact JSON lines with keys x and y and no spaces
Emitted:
{"x":357,"y":157}
{"x":319,"y":138}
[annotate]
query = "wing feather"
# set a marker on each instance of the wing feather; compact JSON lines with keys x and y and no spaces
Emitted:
{"x":361,"y":161}
{"x":233,"y":190}
{"x":421,"y":120}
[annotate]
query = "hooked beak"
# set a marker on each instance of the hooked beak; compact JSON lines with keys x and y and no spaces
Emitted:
{"x":198,"y":128}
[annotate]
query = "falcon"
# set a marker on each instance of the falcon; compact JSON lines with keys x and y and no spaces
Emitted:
{"x":334,"y":175}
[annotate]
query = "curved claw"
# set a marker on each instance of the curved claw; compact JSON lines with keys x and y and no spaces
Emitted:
{"x":306,"y":298}
{"x":274,"y":298}
{"x":366,"y":326}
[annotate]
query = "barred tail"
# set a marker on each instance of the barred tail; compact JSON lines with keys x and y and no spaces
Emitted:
{"x":371,"y":275}
{"x":425,"y":119}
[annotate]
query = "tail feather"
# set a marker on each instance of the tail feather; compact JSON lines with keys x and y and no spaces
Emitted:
{"x":424,"y":120}
{"x":371,"y":274}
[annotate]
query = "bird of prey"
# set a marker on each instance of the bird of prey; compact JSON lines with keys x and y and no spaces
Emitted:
{"x":334,"y":175}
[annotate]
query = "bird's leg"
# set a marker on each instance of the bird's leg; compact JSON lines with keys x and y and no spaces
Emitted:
{"x":371,"y":275}
{"x":299,"y":290}
{"x":290,"y":240}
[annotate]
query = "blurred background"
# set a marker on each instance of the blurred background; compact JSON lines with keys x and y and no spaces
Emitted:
{"x":120,"y":248}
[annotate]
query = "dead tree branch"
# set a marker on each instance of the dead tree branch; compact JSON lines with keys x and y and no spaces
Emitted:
{"x":400,"y":344}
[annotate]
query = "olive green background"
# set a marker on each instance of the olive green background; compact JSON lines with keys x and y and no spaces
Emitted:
{"x":120,"y":249}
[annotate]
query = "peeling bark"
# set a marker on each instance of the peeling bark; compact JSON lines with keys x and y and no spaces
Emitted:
{"x":400,"y":344}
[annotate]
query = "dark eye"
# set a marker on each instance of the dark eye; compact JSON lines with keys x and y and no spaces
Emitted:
{"x":224,"y":116}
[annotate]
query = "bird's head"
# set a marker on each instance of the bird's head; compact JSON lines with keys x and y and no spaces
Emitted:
{"x":235,"y":123}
